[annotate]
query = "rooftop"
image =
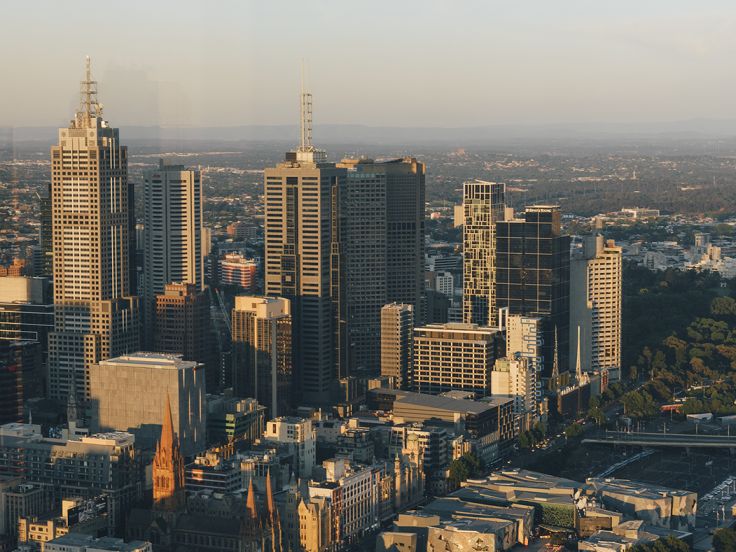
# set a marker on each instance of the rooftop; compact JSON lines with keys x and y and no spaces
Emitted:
{"x":443,"y":402}
{"x":153,"y":360}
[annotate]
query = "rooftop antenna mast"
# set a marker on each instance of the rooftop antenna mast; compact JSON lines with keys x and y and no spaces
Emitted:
{"x":89,"y":107}
{"x":306,"y":152}
{"x":305,"y":142}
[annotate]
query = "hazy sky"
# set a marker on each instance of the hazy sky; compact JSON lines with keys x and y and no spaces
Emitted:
{"x":376,"y":62}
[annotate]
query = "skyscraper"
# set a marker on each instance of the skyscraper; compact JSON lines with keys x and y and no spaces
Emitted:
{"x":405,"y":231}
{"x":484,"y":204}
{"x":595,"y":306}
{"x":183,"y":326}
{"x":381,"y":249}
{"x":533,"y":277}
{"x":299,"y":196}
{"x":397,"y":343}
{"x":173,"y":232}
{"x":95,"y":317}
{"x":262,"y":354}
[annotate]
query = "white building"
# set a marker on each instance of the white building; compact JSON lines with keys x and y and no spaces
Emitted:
{"x":595,"y":306}
{"x":173,"y":228}
{"x":445,"y":284}
{"x":302,"y":438}
{"x":353,"y":493}
{"x":524,"y":338}
{"x":516,"y":378}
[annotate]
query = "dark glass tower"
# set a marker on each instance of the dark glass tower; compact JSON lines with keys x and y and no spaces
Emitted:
{"x":533,"y":277}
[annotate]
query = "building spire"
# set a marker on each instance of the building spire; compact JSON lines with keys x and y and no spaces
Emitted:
{"x":167,"y":428}
{"x":168,"y":467}
{"x":556,"y":360}
{"x":250,"y":504}
{"x":269,"y":495}
{"x":578,"y":365}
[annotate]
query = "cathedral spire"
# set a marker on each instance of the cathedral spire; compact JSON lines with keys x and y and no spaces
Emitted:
{"x":269,"y":495}
{"x":168,"y":467}
{"x":250,"y":504}
{"x":167,"y":428}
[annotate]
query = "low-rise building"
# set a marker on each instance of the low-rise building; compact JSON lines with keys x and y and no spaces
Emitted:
{"x":74,"y":542}
{"x":299,"y":436}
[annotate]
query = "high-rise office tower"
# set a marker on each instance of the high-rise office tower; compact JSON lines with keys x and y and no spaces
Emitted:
{"x":173,"y":231}
{"x":44,"y":267}
{"x":533,"y":277}
{"x":484,"y":204}
{"x":405,"y":231}
{"x":451,"y":357}
{"x":595,"y":306}
{"x":262,"y":354}
{"x":183,"y":326}
{"x":299,"y":207}
{"x":397,"y":343}
{"x":381,"y":251}
{"x":95,"y":316}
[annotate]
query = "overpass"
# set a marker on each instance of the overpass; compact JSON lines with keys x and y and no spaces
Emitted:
{"x":681,"y":440}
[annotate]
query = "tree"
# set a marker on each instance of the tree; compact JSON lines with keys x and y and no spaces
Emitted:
{"x":467,"y":466}
{"x":724,"y":540}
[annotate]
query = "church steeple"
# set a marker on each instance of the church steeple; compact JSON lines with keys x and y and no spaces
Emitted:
{"x":168,"y":468}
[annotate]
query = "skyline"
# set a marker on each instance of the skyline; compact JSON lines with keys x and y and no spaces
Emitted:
{"x":182,"y":65}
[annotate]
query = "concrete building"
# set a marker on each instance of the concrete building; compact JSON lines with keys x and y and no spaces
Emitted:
{"x":488,"y":425}
{"x":25,"y":499}
{"x":173,"y":232}
{"x":95,"y":316}
{"x":517,"y":379}
{"x":397,"y":344}
{"x":62,"y":467}
{"x":182,"y":326}
{"x":445,"y":284}
{"x":75,"y":542}
{"x":353,"y":496}
{"x":262,"y":352}
{"x":484,"y":204}
{"x":213,"y":471}
{"x":653,"y":504}
{"x":27,"y":314}
{"x":237,"y":270}
{"x":300,"y":437}
{"x":533,"y":278}
{"x":524,"y":338}
{"x":454,"y":356}
{"x":234,"y":419}
{"x":129,"y":393}
{"x":77,"y":515}
{"x":300,"y":196}
{"x":595,"y":306}
{"x":20,"y":377}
